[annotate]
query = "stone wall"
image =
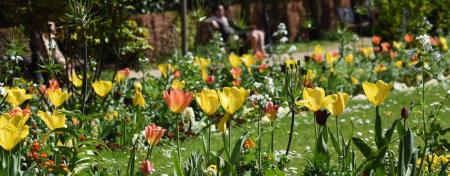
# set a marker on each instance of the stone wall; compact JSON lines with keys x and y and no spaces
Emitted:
{"x":163,"y":34}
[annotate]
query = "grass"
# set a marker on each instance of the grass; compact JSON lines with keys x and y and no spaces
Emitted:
{"x":359,"y":113}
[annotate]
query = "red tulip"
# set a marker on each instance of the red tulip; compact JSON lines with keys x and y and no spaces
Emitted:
{"x":177,"y":100}
{"x":210,"y":79}
{"x":271,"y":110}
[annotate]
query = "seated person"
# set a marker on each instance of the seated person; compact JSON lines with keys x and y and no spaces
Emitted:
{"x":222,"y":23}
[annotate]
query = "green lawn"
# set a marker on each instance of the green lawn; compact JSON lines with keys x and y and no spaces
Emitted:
{"x":359,"y":113}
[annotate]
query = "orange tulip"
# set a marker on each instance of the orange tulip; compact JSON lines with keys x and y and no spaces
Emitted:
{"x":154,"y":133}
{"x":236,"y":72}
{"x":376,"y":40}
{"x":408,"y":38}
{"x":177,"y":100}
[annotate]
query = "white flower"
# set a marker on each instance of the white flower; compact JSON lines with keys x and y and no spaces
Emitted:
{"x":292,"y":49}
{"x":284,"y":39}
{"x":424,"y":39}
{"x":448,"y":92}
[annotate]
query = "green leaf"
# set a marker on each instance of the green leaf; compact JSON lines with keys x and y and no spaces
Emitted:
{"x":335,"y":142}
{"x":379,"y":140}
{"x":178,"y":169}
{"x":363,"y":147}
{"x":236,"y":154}
{"x":390,"y":131}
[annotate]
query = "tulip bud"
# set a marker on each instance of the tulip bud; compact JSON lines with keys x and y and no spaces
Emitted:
{"x":146,"y":167}
{"x":404,"y":113}
{"x":321,"y":117}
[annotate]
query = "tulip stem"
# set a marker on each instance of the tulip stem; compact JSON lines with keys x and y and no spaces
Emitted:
{"x":209,"y":142}
{"x":291,"y":131}
{"x":259,"y":141}
{"x":225,"y":145}
{"x":178,"y":141}
{"x":229,"y":137}
{"x":271,"y":144}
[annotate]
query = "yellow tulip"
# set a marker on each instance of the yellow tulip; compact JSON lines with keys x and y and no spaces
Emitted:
{"x":208,"y":100}
{"x":376,"y":93}
{"x":138,"y":99}
{"x":349,"y":59}
{"x":235,"y":60}
{"x":399,"y":64}
{"x":318,"y":50}
{"x":16,"y":117}
{"x":248,"y":59}
{"x":10,"y":136}
{"x":330,"y":58}
{"x":337,"y":108}
{"x":121,"y":75}
{"x":76,"y":79}
{"x":310,"y":75}
{"x":53,"y":121}
{"x":290,"y":63}
{"x":314,"y":99}
{"x":204,"y":75}
{"x":102,"y":88}
{"x":232,"y":98}
{"x":16,"y":96}
{"x":177,"y":84}
{"x":202,"y":63}
{"x":57,"y":97}
{"x":165,"y":69}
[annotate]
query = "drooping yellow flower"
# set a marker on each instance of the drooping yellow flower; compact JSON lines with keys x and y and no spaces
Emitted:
{"x":349,"y":59}
{"x":314,"y":99}
{"x":235,"y":60}
{"x":137,"y":86}
{"x":57,"y":97}
{"x":165,"y":69}
{"x":177,"y":84}
{"x":16,"y":96}
{"x":138,"y":99}
{"x":10,"y":136}
{"x":202,"y":63}
{"x":376,"y":93}
{"x":367,"y":52}
{"x":222,"y":125}
{"x":102,"y":88}
{"x":208,"y":100}
{"x":232,"y":98}
{"x":16,"y":117}
{"x":337,"y":108}
{"x":54,"y":120}
{"x":76,"y":79}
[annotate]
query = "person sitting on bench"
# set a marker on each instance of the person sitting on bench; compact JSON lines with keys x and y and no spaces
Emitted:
{"x":222,"y":23}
